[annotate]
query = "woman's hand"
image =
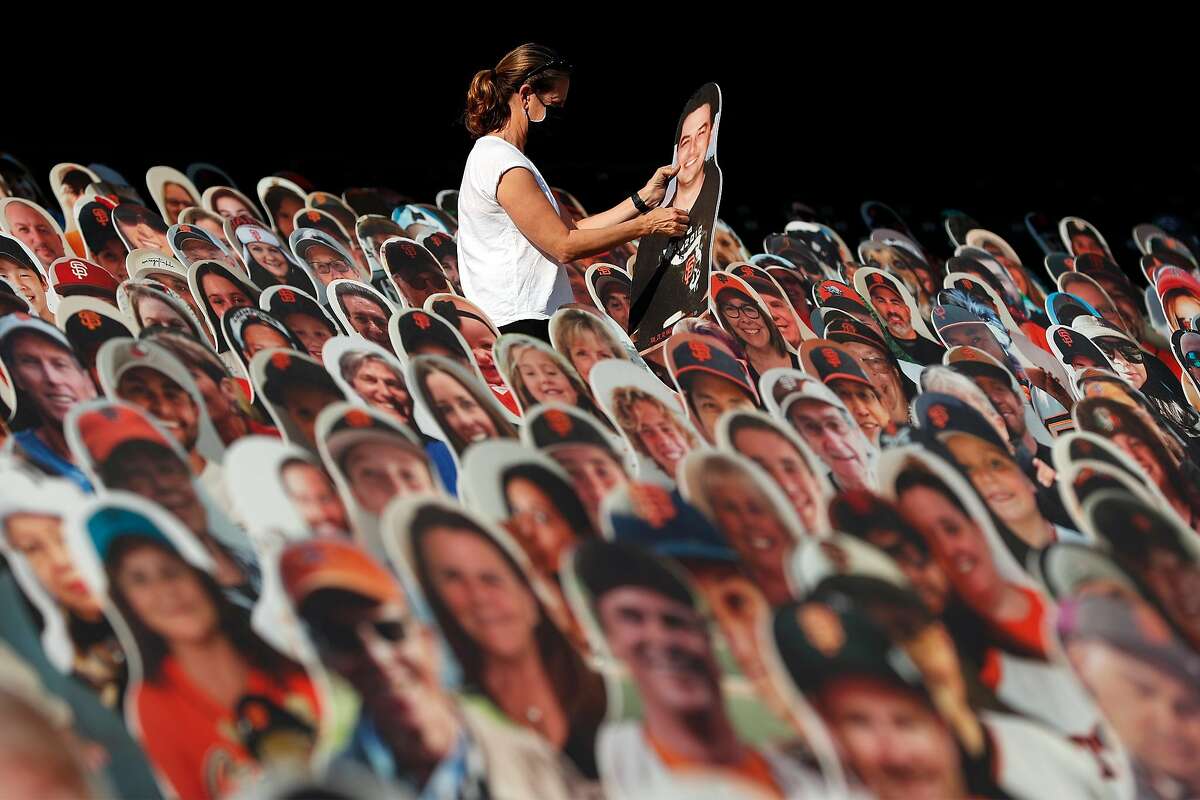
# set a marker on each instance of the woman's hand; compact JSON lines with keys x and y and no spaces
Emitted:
{"x":654,"y":190}
{"x":669,"y":221}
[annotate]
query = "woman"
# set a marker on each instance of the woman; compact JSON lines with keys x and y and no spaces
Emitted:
{"x":513,"y":241}
{"x":748,"y":518}
{"x":653,"y":428}
{"x":509,"y":649}
{"x":229,"y":203}
{"x":545,"y":516}
{"x":584,"y":339}
{"x":154,"y":308}
{"x":538,"y":375}
{"x":1014,"y":615}
{"x":266,"y":261}
{"x":200,"y":662}
{"x":757,"y":437}
{"x":458,"y":403}
{"x":750,"y":324}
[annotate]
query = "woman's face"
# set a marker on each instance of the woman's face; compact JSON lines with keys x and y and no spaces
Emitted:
{"x":956,"y":540}
{"x":1131,"y":372}
{"x":458,"y":409}
{"x":660,"y":435}
{"x":270,"y":257}
{"x":1184,"y":308}
{"x":543,"y":378}
{"x":538,"y":524}
{"x":786,"y":466}
{"x":495,"y":609}
{"x":175,"y":200}
{"x":745,"y":321}
{"x":222,"y":294}
{"x":285,"y":215}
{"x":39,"y":538}
{"x":744,"y":516}
{"x":166,"y":595}
{"x":585,"y":349}
{"x":229,"y":207}
{"x":1000,"y":482}
{"x":154,"y":311}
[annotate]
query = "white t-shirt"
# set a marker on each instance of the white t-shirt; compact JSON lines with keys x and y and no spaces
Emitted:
{"x":502,"y":272}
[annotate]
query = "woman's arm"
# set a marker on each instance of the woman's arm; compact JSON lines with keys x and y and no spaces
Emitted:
{"x":651,"y":194}
{"x":530,"y":210}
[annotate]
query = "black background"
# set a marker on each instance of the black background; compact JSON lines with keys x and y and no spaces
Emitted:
{"x":995,"y":123}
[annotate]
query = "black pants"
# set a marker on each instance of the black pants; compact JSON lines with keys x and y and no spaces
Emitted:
{"x":537,"y":328}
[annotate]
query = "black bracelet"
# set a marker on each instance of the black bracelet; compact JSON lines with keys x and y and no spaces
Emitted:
{"x":639,"y":204}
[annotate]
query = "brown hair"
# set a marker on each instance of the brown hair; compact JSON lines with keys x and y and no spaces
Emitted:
{"x":487,"y":99}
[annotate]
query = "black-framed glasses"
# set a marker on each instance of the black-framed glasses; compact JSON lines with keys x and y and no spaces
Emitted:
{"x":733,"y":312}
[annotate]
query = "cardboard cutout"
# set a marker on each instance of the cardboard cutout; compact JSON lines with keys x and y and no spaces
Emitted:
{"x":172,"y":192}
{"x":670,"y":277}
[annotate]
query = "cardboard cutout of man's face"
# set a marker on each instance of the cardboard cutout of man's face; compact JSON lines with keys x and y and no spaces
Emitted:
{"x":692,"y":147}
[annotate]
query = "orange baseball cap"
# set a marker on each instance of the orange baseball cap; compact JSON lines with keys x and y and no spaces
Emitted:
{"x":104,"y":428}
{"x":311,"y":565}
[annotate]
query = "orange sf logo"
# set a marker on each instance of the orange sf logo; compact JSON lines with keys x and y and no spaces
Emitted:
{"x":939,"y":416}
{"x":559,"y":421}
{"x":90,"y":320}
{"x":421,"y":321}
{"x":700,"y":350}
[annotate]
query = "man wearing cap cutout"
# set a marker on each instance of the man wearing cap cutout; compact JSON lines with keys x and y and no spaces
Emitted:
{"x":976,"y":448}
{"x":49,"y":380}
{"x":18,"y":269}
{"x":327,"y":263}
{"x":130,"y":455}
{"x":410,"y":729}
{"x":414,"y":270}
{"x":195,"y":245}
{"x":894,"y":311}
{"x":711,"y":380}
{"x":651,"y":623}
{"x":613,"y":290}
{"x":154,"y":380}
{"x":882,"y":707}
{"x":300,"y":389}
{"x":378,"y":462}
{"x":304,"y":319}
{"x":224,"y":398}
{"x":31,"y":226}
{"x":1147,"y":683}
{"x":997,"y":383}
{"x":838,"y":370}
{"x":877,"y":362}
{"x":581,"y":449}
{"x":827,"y":428}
